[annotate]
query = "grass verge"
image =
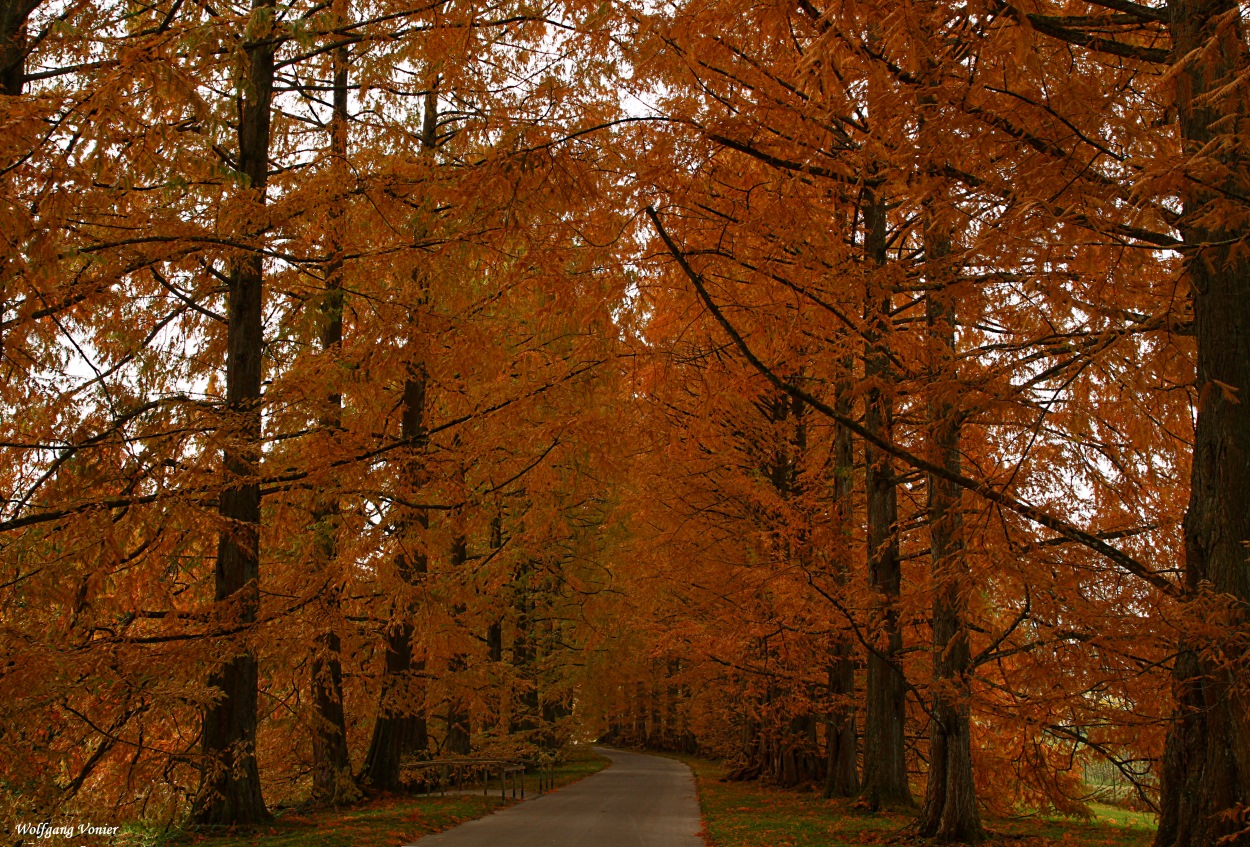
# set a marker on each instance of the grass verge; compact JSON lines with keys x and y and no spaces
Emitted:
{"x":747,"y":814}
{"x":385,"y":822}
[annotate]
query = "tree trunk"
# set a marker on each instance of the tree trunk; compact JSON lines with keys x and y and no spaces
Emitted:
{"x":331,"y":765}
{"x":885,"y":755}
{"x":400,"y":729}
{"x":459,"y":731}
{"x":525,"y":716}
{"x":229,"y":792}
{"x":1206,"y":764}
{"x":841,"y":740}
{"x":950,"y":804}
{"x":13,"y":17}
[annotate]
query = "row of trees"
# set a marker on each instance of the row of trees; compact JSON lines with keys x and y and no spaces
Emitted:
{"x":304,"y":382}
{"x":852,"y":389}
{"x":930,"y":285}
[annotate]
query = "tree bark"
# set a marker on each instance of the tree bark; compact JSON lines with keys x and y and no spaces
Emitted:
{"x":401,"y":729}
{"x":885,"y":755}
{"x":1206,"y":764}
{"x":841,"y":737}
{"x":331,"y":765}
{"x":13,"y":17}
{"x":229,"y":792}
{"x":950,"y":804}
{"x":459,"y":731}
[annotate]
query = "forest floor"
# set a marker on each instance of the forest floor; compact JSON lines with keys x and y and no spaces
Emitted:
{"x":383,"y":822}
{"x":747,"y":814}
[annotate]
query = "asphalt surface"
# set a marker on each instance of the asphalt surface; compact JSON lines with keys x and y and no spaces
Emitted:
{"x":637,"y":801}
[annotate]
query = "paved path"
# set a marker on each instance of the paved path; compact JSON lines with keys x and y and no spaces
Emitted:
{"x":638,"y":801}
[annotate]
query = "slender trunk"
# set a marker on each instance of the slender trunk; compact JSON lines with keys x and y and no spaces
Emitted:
{"x":885,"y":756}
{"x":640,"y":714}
{"x":655,"y":731}
{"x":1205,"y":784}
{"x":672,"y":734}
{"x":331,"y":765}
{"x":950,"y":804}
{"x":230,"y":792}
{"x":525,"y":713}
{"x":841,"y":741}
{"x":400,"y":729}
{"x":459,"y":732}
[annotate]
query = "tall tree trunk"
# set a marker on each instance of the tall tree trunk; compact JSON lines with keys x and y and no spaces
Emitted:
{"x":1206,"y":765}
{"x":525,"y":715}
{"x":841,"y":740}
{"x":494,"y":636}
{"x":331,"y":765}
{"x":13,"y":47}
{"x":400,"y":729}
{"x":459,"y":732}
{"x":885,"y":755}
{"x":950,"y":805}
{"x":229,"y":791}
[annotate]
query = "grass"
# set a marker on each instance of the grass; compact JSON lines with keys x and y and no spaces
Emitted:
{"x":385,"y":822}
{"x":738,"y":814}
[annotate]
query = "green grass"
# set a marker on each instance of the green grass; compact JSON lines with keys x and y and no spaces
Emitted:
{"x":738,"y":814}
{"x":385,"y":822}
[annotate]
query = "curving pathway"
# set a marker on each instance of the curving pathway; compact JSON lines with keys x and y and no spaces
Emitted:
{"x":638,"y":801}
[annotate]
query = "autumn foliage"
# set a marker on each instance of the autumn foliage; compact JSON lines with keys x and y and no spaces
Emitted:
{"x":851,"y":391}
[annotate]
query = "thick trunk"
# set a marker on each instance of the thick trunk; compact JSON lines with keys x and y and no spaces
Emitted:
{"x":230,"y":788}
{"x":841,"y":740}
{"x":1206,"y":766}
{"x":885,"y":755}
{"x":950,"y":805}
{"x":13,"y":17}
{"x":400,"y":728}
{"x":798,"y":761}
{"x":332,"y":774}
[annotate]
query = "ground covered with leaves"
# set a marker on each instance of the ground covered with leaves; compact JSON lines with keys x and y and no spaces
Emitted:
{"x":748,"y":814}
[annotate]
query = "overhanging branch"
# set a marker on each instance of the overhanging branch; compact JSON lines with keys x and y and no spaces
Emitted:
{"x":981,"y":488}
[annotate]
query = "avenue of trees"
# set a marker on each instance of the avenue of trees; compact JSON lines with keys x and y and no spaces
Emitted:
{"x":854,"y":391}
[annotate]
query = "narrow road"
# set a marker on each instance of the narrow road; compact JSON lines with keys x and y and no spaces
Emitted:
{"x":638,"y":801}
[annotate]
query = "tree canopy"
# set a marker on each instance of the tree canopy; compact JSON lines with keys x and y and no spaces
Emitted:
{"x":851,"y":391}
